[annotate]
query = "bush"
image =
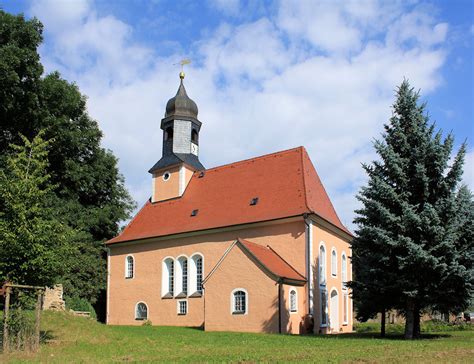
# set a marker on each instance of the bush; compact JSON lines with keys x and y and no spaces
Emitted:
{"x":80,"y":304}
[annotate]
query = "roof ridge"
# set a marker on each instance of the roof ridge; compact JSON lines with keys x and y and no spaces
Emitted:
{"x":254,"y":158}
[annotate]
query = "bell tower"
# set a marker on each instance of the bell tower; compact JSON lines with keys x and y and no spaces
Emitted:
{"x":180,"y":157}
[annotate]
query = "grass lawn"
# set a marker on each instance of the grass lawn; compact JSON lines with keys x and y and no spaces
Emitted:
{"x":81,"y":340}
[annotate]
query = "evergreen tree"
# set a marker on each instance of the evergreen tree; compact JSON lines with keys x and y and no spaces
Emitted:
{"x":89,"y":191}
{"x":413,"y":247}
{"x":33,"y":240}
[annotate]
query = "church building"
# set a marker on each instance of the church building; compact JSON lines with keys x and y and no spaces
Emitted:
{"x":254,"y":245}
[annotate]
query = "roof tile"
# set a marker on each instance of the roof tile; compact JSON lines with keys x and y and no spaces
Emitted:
{"x":285,"y":183}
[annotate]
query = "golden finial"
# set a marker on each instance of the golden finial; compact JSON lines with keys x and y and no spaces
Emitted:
{"x":182,"y":63}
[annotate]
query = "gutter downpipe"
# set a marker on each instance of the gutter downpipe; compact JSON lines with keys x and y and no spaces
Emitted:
{"x":279,"y":304}
{"x":309,"y":254}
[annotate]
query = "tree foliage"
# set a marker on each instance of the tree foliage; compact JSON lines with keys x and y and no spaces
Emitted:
{"x":89,"y":191}
{"x":414,"y":248}
{"x":33,"y":239}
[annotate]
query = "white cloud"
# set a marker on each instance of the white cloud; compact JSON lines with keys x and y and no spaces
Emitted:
{"x":321,"y":74}
{"x":468,"y":177}
{"x":228,"y":7}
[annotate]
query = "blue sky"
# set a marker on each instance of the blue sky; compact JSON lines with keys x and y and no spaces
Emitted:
{"x":266,"y":75}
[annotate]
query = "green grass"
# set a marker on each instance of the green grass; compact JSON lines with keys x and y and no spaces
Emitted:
{"x":81,"y":340}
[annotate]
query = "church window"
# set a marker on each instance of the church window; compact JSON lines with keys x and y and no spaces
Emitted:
{"x":196,"y":273}
{"x":166,"y":176}
{"x":169,"y":133}
{"x":324,"y":307}
{"x":199,"y":274}
{"x":182,"y":307}
{"x":182,"y":277}
{"x":194,"y":136}
{"x":239,"y":301}
{"x":129,"y":267}
{"x":344,"y":270}
{"x":345,"y":303}
{"x":141,"y":311}
{"x":322,"y":265}
{"x":168,"y":278}
{"x":333,"y":262}
{"x":293,"y":301}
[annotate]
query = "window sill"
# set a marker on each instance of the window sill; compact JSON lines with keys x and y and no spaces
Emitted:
{"x":128,"y":277}
{"x":293,"y":312}
{"x":345,"y":324}
{"x":140,"y":319}
{"x":196,"y":295}
{"x":167,"y":296}
{"x":239,"y":313}
{"x":181,"y":314}
{"x":181,"y":295}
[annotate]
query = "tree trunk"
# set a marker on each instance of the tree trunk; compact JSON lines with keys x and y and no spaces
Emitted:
{"x":416,"y":323}
{"x":382,"y":324}
{"x":409,"y":319}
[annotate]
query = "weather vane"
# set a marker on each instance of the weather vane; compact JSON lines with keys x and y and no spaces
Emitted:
{"x":183,"y":62}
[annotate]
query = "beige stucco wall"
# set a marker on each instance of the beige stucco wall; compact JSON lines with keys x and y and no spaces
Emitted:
{"x":163,"y":190}
{"x":288,"y":239}
{"x":238,"y":272}
{"x":322,"y":235}
{"x":294,"y":322}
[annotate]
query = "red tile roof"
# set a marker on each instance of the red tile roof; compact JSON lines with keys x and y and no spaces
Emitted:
{"x":285,"y":183}
{"x":272,"y":261}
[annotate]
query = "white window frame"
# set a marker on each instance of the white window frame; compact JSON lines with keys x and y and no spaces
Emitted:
{"x":345,"y":308}
{"x":126,"y":266}
{"x":325,"y":313}
{"x":178,"y":307}
{"x":290,"y":308}
{"x":165,"y":276}
{"x":344,"y":270}
{"x":333,"y":262}
{"x":322,"y":260}
{"x":192,"y":273}
{"x":164,"y":174}
{"x":136,"y":311}
{"x":179,"y":278}
{"x":232,"y":302}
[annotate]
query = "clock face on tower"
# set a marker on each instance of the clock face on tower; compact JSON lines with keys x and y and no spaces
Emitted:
{"x":194,"y":149}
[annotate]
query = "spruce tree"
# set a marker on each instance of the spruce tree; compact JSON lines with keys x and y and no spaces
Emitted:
{"x":413,"y":247}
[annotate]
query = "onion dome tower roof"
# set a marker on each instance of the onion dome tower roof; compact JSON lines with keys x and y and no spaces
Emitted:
{"x":181,"y":105}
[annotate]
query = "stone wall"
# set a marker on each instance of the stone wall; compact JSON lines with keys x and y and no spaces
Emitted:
{"x":53,"y":298}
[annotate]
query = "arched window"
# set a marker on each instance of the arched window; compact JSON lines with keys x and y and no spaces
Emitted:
{"x":167,"y":279}
{"x":293,"y":301}
{"x":169,"y":133}
{"x":333,"y":262}
{"x":182,"y":277}
{"x":196,"y":274}
{"x":346,"y":308}
{"x":194,"y":136}
{"x":239,"y":301}
{"x":324,"y":307}
{"x":129,"y":267}
{"x":344,"y":270}
{"x":322,"y":265}
{"x":141,"y":311}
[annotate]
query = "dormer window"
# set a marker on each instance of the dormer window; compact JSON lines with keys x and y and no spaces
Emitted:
{"x":169,"y":133}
